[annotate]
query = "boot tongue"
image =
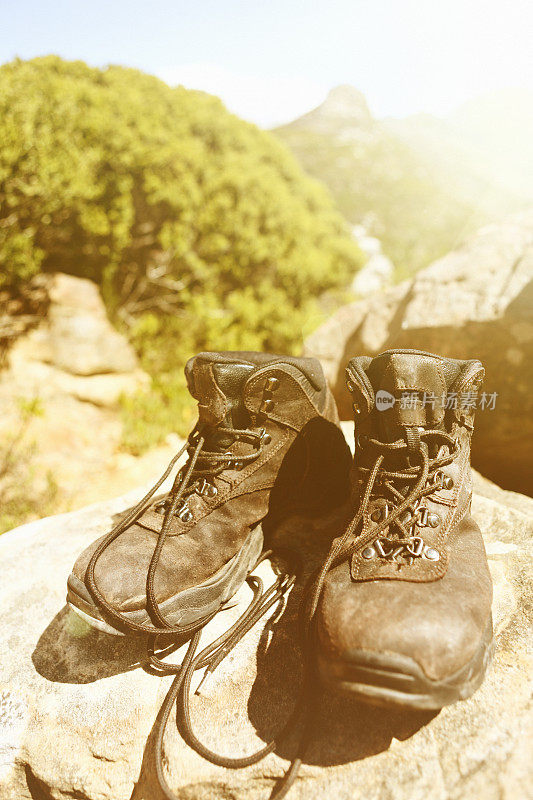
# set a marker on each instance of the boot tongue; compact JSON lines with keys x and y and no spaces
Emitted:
{"x":410,"y":391}
{"x":218,"y":385}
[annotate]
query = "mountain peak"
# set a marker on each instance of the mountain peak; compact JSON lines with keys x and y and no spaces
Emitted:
{"x":346,"y":102}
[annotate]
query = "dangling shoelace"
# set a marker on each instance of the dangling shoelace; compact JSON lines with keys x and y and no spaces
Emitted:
{"x":211,"y":656}
{"x":422,"y":476}
{"x":425,"y":479}
{"x":202,"y":464}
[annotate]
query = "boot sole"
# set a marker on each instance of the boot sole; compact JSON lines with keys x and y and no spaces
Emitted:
{"x":190,"y":606}
{"x":392,"y":679}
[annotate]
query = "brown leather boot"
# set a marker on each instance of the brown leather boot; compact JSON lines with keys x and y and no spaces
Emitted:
{"x":267,"y":441}
{"x":402,"y":607}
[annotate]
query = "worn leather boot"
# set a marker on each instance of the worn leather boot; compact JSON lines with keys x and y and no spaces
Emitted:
{"x":401,"y":611}
{"x":267,"y":441}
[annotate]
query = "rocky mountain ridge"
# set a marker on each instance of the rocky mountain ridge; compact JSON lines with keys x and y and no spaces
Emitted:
{"x":490,"y":135}
{"x":416,"y":184}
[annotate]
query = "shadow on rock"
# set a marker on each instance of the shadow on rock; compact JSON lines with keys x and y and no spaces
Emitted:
{"x":70,"y":651}
{"x":345,"y":729}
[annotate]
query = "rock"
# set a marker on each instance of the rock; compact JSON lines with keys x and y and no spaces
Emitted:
{"x":75,"y":350}
{"x":77,"y":708}
{"x":78,"y":337}
{"x":476,"y":302}
{"x":76,"y":366}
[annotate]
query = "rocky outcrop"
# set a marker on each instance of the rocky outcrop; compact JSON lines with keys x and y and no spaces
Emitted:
{"x":345,"y":108}
{"x":75,"y":350}
{"x":73,"y":366}
{"x":77,"y":709}
{"x":476,"y":302}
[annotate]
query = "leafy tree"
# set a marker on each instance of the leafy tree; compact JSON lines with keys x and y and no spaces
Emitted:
{"x":201,"y":229}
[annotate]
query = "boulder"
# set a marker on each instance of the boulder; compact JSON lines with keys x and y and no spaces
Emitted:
{"x":476,"y":302}
{"x":78,"y":337}
{"x":77,"y":708}
{"x":73,"y":366}
{"x":75,"y":349}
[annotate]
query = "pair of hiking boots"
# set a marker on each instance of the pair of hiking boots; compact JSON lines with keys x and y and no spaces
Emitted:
{"x":400,"y":610}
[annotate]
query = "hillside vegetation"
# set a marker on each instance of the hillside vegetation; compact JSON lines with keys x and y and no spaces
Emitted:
{"x":202,"y":230}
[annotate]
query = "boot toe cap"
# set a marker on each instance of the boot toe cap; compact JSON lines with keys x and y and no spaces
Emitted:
{"x":425,"y":632}
{"x":120,"y":573}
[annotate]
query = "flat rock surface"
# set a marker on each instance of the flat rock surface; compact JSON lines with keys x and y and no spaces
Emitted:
{"x":77,"y":709}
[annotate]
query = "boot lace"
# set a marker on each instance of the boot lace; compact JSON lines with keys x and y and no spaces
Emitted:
{"x":407,"y":510}
{"x":195,"y":477}
{"x":421,"y":480}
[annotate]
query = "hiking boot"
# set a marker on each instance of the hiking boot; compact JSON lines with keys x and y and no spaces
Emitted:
{"x":267,"y":442}
{"x":402,"y":608}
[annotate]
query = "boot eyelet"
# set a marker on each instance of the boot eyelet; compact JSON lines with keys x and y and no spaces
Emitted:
{"x":207,"y":489}
{"x":350,"y":386}
{"x":422,"y":515}
{"x":433,"y":520}
{"x":159,"y":508}
{"x":416,"y":547}
{"x":267,"y":405}
{"x":265,"y":438}
{"x":376,"y":515}
{"x":447,"y":483}
{"x":185,"y":514}
{"x":368,"y":553}
{"x":431,"y":554}
{"x":355,"y":408}
{"x":272,"y":385}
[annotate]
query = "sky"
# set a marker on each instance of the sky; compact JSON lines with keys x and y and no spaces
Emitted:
{"x":271,"y":61}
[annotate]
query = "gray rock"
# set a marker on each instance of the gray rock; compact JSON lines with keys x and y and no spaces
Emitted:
{"x":76,"y":366}
{"x":77,"y":709}
{"x":77,"y":336}
{"x":74,"y":351}
{"x":476,"y":302}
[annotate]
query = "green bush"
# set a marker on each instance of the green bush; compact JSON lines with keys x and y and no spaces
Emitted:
{"x":201,"y":229}
{"x":25,"y":492}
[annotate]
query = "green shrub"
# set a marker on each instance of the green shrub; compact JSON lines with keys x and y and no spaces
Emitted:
{"x":201,"y":229}
{"x":25,"y":493}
